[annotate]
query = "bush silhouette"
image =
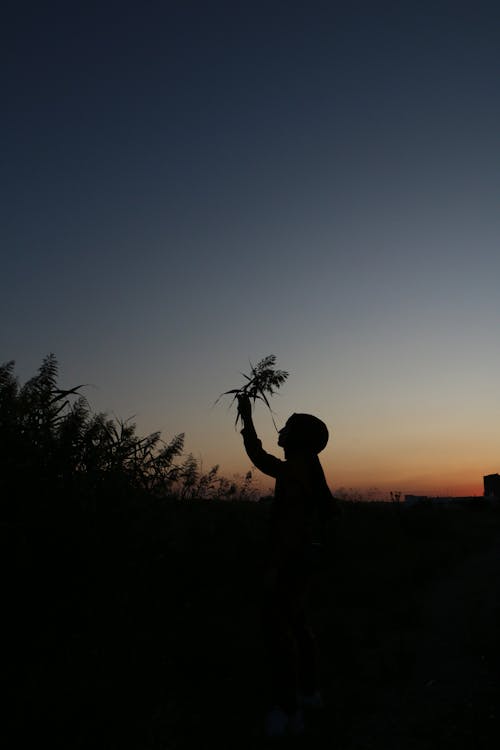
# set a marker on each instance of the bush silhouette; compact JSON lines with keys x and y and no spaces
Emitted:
{"x":51,"y":442}
{"x":54,"y":449}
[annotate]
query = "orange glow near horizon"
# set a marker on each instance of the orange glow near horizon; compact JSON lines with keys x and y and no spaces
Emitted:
{"x":439,"y":470}
{"x":449,"y":481}
{"x":433,"y":461}
{"x":373,"y":481}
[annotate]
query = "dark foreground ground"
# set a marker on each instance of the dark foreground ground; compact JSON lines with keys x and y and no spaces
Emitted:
{"x":139,"y":629}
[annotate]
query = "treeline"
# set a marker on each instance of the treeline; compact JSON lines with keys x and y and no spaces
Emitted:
{"x":54,"y":448}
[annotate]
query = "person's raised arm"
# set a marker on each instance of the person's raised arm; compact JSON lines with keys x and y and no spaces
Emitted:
{"x":245,"y":412}
{"x":263,"y":461}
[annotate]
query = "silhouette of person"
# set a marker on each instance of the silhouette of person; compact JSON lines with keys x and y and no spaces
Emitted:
{"x":301,"y":494}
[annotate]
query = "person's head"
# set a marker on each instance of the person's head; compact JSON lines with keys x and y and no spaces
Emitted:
{"x":304,"y":433}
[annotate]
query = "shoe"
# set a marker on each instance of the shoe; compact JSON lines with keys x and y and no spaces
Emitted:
{"x":314,"y":700}
{"x":279,"y":723}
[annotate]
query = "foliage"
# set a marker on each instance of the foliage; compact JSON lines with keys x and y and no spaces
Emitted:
{"x":54,"y":448}
{"x":263,"y":381}
{"x":194,"y":484}
{"x":50,"y":441}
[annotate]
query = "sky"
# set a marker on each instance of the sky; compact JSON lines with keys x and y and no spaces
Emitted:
{"x":191,"y":186}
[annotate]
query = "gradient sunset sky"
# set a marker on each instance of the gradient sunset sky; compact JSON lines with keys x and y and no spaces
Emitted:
{"x":190,"y":185}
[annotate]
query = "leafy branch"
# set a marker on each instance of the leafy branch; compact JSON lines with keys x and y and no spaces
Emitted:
{"x":262,"y":382}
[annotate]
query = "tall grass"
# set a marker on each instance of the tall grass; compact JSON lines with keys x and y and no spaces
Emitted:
{"x":52,"y":445}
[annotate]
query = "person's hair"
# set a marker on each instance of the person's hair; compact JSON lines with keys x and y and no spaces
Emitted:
{"x":308,"y":432}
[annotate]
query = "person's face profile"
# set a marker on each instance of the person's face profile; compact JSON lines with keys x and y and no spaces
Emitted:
{"x":285,"y":433}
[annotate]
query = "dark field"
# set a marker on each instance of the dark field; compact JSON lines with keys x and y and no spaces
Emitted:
{"x":140,"y":629}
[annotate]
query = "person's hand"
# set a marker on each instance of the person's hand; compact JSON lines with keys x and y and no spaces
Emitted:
{"x":244,"y":407}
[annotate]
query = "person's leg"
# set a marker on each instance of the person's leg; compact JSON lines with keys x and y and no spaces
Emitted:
{"x":306,"y":659}
{"x":281,"y":656}
{"x":284,"y":715}
{"x":307,"y":675}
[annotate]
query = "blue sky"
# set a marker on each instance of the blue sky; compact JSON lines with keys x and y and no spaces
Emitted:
{"x":188,"y":186}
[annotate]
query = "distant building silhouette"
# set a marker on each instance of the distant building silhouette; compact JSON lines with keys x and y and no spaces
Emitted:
{"x":492,"y":486}
{"x":491,"y":492}
{"x":428,"y":500}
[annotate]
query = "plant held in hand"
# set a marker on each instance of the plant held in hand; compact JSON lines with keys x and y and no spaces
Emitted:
{"x":262,"y":382}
